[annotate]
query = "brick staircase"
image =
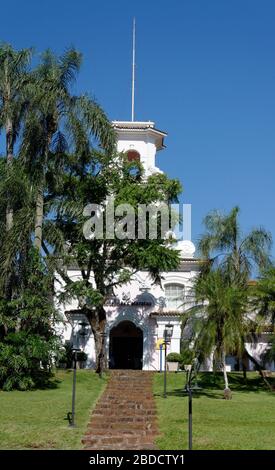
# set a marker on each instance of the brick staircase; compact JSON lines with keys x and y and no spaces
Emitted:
{"x":125,"y":416}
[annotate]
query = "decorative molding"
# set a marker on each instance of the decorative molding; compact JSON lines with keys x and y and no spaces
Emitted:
{"x":135,"y":303}
{"x":127,"y":315}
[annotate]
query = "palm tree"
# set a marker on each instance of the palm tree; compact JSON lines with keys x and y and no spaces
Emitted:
{"x":58,"y":123}
{"x":264,"y":294}
{"x":13,"y":100}
{"x":49,"y":100}
{"x":219,"y":323}
{"x":263,"y":302}
{"x":19,"y":238}
{"x":16,"y":243}
{"x":14,"y":80}
{"x":223,"y":244}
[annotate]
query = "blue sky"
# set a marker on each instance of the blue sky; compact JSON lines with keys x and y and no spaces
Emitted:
{"x":205,"y":74}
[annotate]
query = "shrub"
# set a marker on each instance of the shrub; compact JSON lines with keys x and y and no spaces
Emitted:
{"x":66,"y":355}
{"x":82,"y":356}
{"x":187,"y":356}
{"x":28,"y":342}
{"x":174,"y":357}
{"x":25,"y":361}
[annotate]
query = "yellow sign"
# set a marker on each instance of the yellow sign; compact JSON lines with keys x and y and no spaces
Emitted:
{"x":160,"y":342}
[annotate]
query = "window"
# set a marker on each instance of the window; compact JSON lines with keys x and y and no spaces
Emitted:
{"x":133,"y":156}
{"x":174,"y":294}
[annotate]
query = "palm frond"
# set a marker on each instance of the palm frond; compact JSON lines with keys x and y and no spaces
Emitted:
{"x":69,"y":65}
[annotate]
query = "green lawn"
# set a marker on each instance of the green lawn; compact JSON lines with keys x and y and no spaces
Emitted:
{"x":36,"y":419}
{"x":245,"y":422}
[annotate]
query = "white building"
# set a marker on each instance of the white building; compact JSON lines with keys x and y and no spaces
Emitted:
{"x":137,"y":315}
{"x":139,"y":311}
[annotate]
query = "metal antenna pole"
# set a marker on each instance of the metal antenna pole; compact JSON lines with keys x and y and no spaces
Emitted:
{"x":133,"y":69}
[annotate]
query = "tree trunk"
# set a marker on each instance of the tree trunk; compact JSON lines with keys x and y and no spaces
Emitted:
{"x":9,"y":208}
{"x":259,"y":367}
{"x":9,"y":154}
{"x":97,"y":321}
{"x":226,"y":385}
{"x":9,"y":217}
{"x":244,"y":366}
{"x":39,"y":212}
{"x":100,"y":352}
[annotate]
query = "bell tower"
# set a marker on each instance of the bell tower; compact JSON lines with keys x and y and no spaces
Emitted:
{"x":141,"y":141}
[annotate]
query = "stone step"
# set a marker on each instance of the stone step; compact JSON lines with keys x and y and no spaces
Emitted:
{"x":140,"y":401}
{"x":125,"y":433}
{"x":122,"y":404}
{"x":100,"y":434}
{"x":119,"y":425}
{"x":122,"y":446}
{"x":99,"y":418}
{"x":126,"y":444}
{"x":98,"y":414}
{"x":127,"y":413}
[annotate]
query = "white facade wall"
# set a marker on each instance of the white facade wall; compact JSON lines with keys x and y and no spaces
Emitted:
{"x":151,"y":319}
{"x":152,"y":326}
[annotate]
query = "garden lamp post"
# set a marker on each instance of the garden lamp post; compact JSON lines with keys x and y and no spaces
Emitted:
{"x":189,"y":389}
{"x":168,"y":333}
{"x":71,"y":415}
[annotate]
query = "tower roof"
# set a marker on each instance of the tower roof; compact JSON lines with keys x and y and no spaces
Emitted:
{"x":141,"y":127}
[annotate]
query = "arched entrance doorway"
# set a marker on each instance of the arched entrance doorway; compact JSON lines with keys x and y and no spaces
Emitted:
{"x":126,"y":346}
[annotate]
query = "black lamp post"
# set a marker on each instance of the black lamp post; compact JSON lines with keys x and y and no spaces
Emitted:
{"x":71,"y":415}
{"x":168,"y":333}
{"x":189,"y":389}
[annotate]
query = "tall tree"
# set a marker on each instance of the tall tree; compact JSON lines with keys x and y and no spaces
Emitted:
{"x":107,"y":262}
{"x":58,"y":128}
{"x":234,"y":256}
{"x":50,"y":98}
{"x":263,"y":302}
{"x":264,"y":296}
{"x":223,"y":244}
{"x":57,"y":123}
{"x":13,"y":100}
{"x":220,"y":324}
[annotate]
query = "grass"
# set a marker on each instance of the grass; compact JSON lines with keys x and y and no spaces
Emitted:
{"x":37,"y":419}
{"x":245,"y":422}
